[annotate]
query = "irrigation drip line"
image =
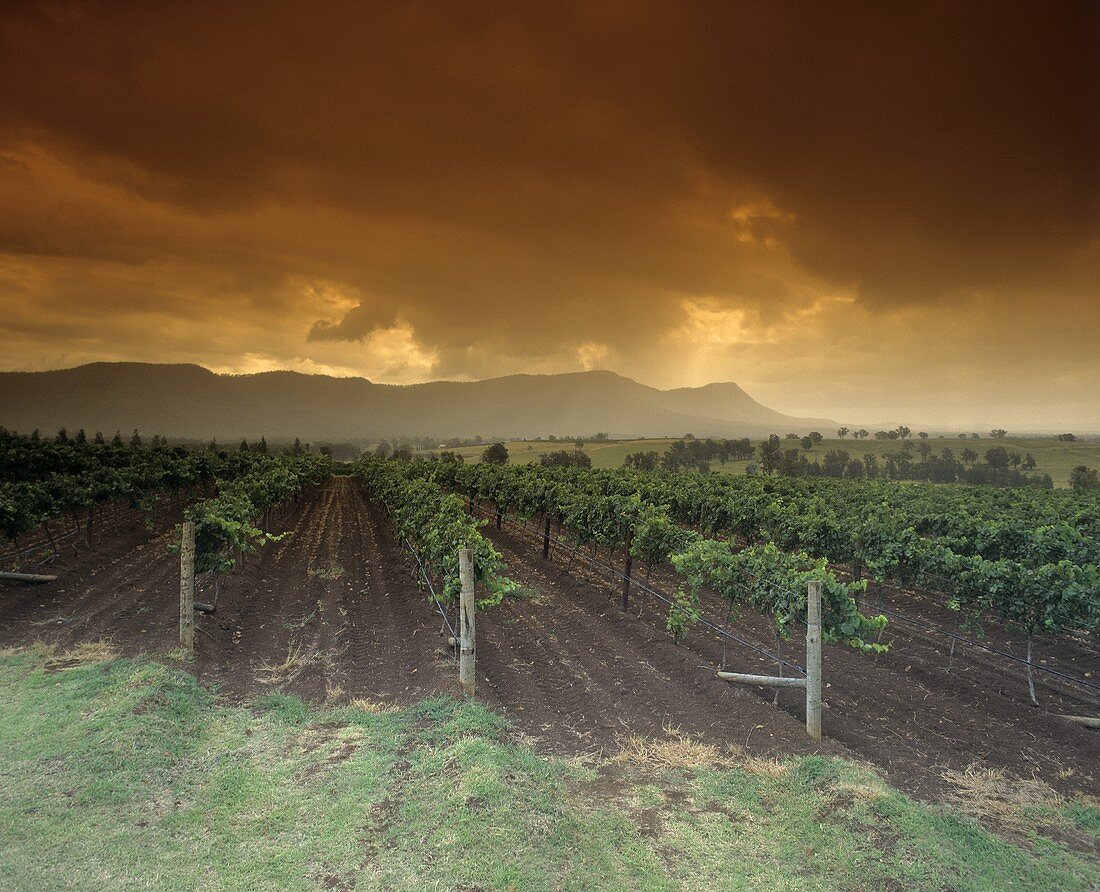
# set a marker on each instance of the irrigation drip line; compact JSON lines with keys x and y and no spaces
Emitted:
{"x":929,"y":627}
{"x":718,"y":630}
{"x":431,"y":588}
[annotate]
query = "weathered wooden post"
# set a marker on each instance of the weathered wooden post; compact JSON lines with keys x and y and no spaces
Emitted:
{"x":187,"y":586}
{"x":467,"y":605}
{"x":813,"y":659}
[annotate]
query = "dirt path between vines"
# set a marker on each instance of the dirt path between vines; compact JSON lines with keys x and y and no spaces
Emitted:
{"x":902,"y":711}
{"x":329,"y":612}
{"x":333,"y":612}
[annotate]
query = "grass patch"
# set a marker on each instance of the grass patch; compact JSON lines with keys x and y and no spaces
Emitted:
{"x":126,"y":774}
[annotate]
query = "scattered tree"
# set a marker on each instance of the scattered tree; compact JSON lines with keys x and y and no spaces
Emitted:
{"x":497,"y":454}
{"x":1083,"y":477}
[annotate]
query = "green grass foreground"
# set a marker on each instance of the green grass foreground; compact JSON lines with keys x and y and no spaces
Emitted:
{"x":127,"y":774}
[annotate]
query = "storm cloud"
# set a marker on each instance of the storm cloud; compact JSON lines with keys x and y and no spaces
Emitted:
{"x":853,"y":209}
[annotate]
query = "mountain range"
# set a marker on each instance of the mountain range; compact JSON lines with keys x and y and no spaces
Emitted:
{"x":191,"y":401}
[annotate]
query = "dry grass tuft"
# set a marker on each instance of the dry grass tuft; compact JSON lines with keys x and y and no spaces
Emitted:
{"x":298,"y":657}
{"x":373,"y":706}
{"x":990,"y":791}
{"x":678,"y":750}
{"x":1016,"y":804}
{"x":82,"y":654}
{"x":766,"y":767}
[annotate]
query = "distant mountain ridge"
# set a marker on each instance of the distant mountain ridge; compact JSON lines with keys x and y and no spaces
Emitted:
{"x":191,"y":401}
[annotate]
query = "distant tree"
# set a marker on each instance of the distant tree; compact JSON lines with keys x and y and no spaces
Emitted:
{"x":135,"y":438}
{"x":262,"y":445}
{"x":688,"y":436}
{"x":62,"y":436}
{"x":925,"y":449}
{"x":497,"y":454}
{"x":998,"y":433}
{"x":771,"y":454}
{"x":600,"y":438}
{"x":402,"y":453}
{"x":296,"y":448}
{"x":451,"y":457}
{"x":975,"y":436}
{"x":969,"y":456}
{"x":792,"y":436}
{"x":578,"y":444}
{"x":382,"y":449}
{"x":639,"y":461}
{"x":244,"y":446}
{"x":566,"y":459}
{"x":903,"y":432}
{"x":997,"y":457}
{"x":1028,"y":463}
{"x":81,"y":437}
{"x":816,"y":437}
{"x":835,"y":463}
{"x":886,"y":435}
{"x":842,"y":432}
{"x":1083,"y":477}
{"x":1015,"y":459}
{"x":116,"y":440}
{"x":98,"y":439}
{"x":923,"y":435}
{"x":861,"y":434}
{"x":1067,"y":438}
{"x":807,"y":443}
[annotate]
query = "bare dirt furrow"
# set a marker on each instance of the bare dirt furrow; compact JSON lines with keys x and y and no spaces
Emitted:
{"x":903,"y":711}
{"x":327,"y":613}
{"x":570,"y":666}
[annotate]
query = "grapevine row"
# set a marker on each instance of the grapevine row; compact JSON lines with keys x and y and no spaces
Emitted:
{"x":438,"y":525}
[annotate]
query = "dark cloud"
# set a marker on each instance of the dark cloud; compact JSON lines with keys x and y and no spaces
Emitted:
{"x":523,"y":180}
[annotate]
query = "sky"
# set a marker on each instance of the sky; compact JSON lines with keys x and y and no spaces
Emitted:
{"x":866,"y":211}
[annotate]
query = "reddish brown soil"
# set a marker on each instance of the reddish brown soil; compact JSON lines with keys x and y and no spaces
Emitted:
{"x":335,"y":594}
{"x":338,"y":596}
{"x":903,"y":711}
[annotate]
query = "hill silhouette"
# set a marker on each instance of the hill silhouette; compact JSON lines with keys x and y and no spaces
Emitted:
{"x":191,"y":401}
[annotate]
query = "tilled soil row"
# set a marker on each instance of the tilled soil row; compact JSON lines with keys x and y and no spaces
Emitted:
{"x":903,"y":711}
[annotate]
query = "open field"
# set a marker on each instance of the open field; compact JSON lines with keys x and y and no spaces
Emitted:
{"x":1052,"y":456}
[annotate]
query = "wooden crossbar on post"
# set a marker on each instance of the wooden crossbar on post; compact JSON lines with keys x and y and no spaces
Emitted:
{"x":187,"y":586}
{"x":812,"y":681}
{"x":813,"y":659}
{"x":775,"y":681}
{"x":467,"y":625}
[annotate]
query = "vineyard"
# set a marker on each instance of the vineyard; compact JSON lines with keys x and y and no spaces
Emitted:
{"x":609,"y":598}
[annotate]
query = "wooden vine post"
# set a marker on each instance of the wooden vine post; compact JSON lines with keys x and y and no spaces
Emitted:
{"x":813,"y":659}
{"x":812,"y":681}
{"x":467,"y":608}
{"x":187,"y":586}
